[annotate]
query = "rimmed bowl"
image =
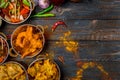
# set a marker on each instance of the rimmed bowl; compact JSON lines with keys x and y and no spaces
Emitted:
{"x":24,"y":40}
{"x":32,"y":5}
{"x":14,"y":70}
{"x":4,"y":49}
{"x":44,"y":61}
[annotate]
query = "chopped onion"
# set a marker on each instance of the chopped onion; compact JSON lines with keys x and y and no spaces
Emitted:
{"x":21,"y":17}
{"x":12,"y":16}
{"x":12,"y":0}
{"x":44,"y":3}
{"x":7,"y":18}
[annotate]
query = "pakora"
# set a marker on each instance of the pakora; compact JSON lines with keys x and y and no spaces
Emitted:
{"x":28,"y":42}
{"x":12,"y":71}
{"x":44,"y":70}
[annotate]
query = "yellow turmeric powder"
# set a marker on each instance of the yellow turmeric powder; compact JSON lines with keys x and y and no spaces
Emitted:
{"x":91,"y":65}
{"x":70,"y":45}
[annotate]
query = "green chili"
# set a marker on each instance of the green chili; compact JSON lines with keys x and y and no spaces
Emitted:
{"x":46,"y":10}
{"x":6,"y":5}
{"x":2,"y":5}
{"x":2,"y":1}
{"x":44,"y":15}
{"x":26,"y":2}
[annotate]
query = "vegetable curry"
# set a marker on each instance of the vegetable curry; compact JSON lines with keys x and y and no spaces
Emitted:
{"x":3,"y":50}
{"x":14,"y":10}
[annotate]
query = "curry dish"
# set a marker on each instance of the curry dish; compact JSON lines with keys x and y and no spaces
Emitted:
{"x":27,"y":41}
{"x":3,"y":50}
{"x":44,"y":70}
{"x":14,"y":10}
{"x":12,"y":71}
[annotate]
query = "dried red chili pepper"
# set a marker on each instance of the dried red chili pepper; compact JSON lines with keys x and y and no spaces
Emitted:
{"x":56,"y":24}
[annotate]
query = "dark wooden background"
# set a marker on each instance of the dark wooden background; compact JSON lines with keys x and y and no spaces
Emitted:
{"x":95,"y":25}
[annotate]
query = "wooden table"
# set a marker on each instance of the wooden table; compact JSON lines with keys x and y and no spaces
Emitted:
{"x":94,"y":25}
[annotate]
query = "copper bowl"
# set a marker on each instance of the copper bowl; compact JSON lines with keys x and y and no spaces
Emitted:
{"x":32,"y":5}
{"x":23,"y":28}
{"x":4,"y":44}
{"x":21,"y":66}
{"x":42,"y":59}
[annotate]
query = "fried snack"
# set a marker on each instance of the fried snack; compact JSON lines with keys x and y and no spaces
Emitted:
{"x":14,"y":70}
{"x":29,"y":42}
{"x":11,"y":71}
{"x":3,"y":73}
{"x":44,"y":70}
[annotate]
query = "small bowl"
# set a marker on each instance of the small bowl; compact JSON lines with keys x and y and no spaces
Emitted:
{"x":5,"y":48}
{"x":31,"y":9}
{"x":42,"y":59}
{"x":21,"y":29}
{"x":21,"y":66}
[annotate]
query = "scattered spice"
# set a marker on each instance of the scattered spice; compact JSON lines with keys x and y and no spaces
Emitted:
{"x":91,"y":65}
{"x":70,"y":45}
{"x":79,"y":63}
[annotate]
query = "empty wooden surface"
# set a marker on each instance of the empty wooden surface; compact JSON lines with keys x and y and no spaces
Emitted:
{"x":95,"y":25}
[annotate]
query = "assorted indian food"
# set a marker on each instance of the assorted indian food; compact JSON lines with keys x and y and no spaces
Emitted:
{"x":15,"y":11}
{"x":43,"y":69}
{"x":28,"y":40}
{"x":12,"y":71}
{"x":3,"y":49}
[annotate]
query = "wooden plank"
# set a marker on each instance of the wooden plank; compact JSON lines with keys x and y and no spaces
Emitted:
{"x":104,"y":49}
{"x":89,"y":51}
{"x":80,"y":29}
{"x":96,"y":9}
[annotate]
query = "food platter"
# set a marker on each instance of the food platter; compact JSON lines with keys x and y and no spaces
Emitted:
{"x":74,"y":48}
{"x":27,"y":41}
{"x":35,"y":35}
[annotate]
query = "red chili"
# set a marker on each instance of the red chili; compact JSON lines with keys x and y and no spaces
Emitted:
{"x":56,"y":24}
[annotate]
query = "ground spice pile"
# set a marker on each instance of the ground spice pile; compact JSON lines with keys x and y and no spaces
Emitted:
{"x":86,"y":65}
{"x":69,"y":44}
